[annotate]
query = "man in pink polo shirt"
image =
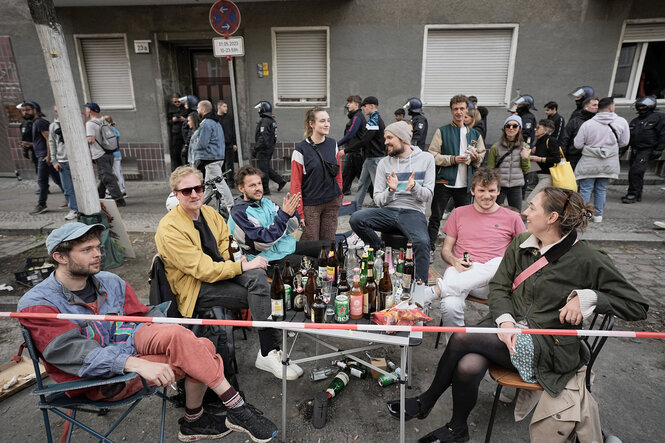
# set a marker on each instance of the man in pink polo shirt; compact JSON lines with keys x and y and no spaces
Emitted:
{"x":483,"y":231}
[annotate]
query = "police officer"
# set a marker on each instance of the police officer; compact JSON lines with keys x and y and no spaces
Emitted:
{"x":265,"y":138}
{"x":418,"y":121}
{"x":647,"y":142}
{"x":580,"y":94}
{"x":26,"y":130}
{"x":522,"y":106}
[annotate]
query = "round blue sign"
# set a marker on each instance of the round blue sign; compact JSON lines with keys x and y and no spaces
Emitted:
{"x":225,"y":17}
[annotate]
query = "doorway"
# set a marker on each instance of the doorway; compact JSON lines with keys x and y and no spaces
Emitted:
{"x":210,"y":76}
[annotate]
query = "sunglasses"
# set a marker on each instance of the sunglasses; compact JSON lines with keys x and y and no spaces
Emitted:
{"x":511,"y":126}
{"x":188,"y":191}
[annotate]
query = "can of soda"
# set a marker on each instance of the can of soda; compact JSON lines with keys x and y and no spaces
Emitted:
{"x":288,"y":298}
{"x":341,"y":309}
{"x":385,"y":380}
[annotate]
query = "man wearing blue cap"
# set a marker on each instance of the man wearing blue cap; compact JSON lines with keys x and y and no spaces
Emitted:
{"x":160,"y":353}
{"x":100,"y":156}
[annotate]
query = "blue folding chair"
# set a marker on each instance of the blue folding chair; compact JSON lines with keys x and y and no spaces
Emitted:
{"x":53,"y":398}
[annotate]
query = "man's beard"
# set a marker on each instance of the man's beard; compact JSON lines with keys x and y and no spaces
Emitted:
{"x":78,"y":270}
{"x":248,"y":197}
{"x":397,"y":151}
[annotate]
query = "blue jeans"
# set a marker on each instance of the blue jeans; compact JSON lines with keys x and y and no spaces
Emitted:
{"x":597,"y":186}
{"x":366,"y":177}
{"x":44,"y":171}
{"x":409,"y":222}
{"x":68,"y":186}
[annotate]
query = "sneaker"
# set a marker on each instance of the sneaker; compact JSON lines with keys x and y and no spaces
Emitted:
{"x":597,"y":218}
{"x":629,"y":198}
{"x":207,"y":426}
{"x":659,"y":224}
{"x":247,"y":418}
{"x":64,"y":205}
{"x":354,"y":242}
{"x":281,"y":186}
{"x":446,"y":434}
{"x":39,"y":209}
{"x":120,"y":202}
{"x":71,"y":215}
{"x":273,"y":363}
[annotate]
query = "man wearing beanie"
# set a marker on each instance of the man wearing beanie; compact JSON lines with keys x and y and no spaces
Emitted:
{"x":403,"y":187}
{"x":458,"y":150}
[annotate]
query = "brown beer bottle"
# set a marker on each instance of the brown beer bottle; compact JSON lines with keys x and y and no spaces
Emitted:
{"x":310,"y":292}
{"x":323,"y":263}
{"x":331,"y":273}
{"x":277,"y":296}
{"x":370,"y":290}
{"x":234,"y":250}
{"x":385,"y":287}
{"x":356,"y":297}
{"x":407,"y":277}
{"x":341,"y":261}
{"x":298,"y":294}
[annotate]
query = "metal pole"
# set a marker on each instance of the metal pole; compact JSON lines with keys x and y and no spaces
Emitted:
{"x":234,"y":100}
{"x":402,"y":394}
{"x":284,"y":357}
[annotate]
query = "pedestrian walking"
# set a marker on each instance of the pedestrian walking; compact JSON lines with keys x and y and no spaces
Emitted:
{"x":61,"y":164}
{"x":117,"y":159}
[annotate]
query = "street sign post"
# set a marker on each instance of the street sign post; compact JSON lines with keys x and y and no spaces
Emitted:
{"x":234,"y":46}
{"x":224,"y":17}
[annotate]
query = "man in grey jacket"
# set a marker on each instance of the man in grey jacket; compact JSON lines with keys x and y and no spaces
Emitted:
{"x":403,"y":187}
{"x":599,"y":140}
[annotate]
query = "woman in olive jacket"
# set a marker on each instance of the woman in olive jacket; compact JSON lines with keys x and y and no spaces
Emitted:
{"x":578,"y":281}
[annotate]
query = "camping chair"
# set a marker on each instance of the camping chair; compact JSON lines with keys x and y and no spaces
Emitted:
{"x":53,"y":398}
{"x":512,"y":379}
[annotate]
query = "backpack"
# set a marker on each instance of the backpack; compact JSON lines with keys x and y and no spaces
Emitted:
{"x":109,"y":139}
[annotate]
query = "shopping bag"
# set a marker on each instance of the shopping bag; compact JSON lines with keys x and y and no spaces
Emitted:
{"x":563,"y":175}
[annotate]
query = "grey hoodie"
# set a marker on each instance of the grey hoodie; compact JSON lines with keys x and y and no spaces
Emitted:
{"x":421,"y":164}
{"x":600,"y":146}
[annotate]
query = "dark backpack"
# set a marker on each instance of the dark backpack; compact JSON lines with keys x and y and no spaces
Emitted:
{"x":109,"y":139}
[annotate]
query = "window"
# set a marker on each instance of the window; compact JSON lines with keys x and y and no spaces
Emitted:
{"x":468,"y":59}
{"x":640,"y":66}
{"x":105,"y":71}
{"x":300,"y":66}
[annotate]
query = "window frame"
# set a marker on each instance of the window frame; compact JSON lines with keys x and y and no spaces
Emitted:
{"x":511,"y":61}
{"x":299,"y":104}
{"x":84,"y":73}
{"x":637,"y":67}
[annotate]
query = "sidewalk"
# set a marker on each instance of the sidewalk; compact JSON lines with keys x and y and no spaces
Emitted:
{"x":146,"y":206}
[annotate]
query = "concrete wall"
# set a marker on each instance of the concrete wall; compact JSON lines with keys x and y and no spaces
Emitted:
{"x":375,"y":49}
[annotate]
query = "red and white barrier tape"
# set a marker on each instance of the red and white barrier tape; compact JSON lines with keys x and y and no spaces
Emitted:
{"x":339,"y":326}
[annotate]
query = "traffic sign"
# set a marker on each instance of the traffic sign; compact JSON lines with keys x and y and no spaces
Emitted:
{"x":221,"y":47}
{"x":224,"y":17}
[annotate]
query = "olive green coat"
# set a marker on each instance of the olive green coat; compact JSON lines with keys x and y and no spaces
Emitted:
{"x":538,"y":300}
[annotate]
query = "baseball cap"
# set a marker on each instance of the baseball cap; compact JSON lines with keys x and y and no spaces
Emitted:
{"x":370,"y":100}
{"x":94,"y":107}
{"x":34,"y":104}
{"x":69,"y":231}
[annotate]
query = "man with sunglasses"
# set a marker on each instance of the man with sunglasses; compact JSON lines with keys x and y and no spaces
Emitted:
{"x":458,"y":151}
{"x":193,"y":242}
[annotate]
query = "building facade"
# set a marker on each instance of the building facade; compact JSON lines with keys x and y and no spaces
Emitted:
{"x":132,"y":56}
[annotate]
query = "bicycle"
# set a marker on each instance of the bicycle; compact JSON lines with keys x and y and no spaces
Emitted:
{"x":211,"y":185}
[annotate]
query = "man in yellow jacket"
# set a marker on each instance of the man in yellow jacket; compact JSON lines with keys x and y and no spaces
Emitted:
{"x":193,"y":242}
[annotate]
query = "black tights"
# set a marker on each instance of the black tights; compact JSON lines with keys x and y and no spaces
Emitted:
{"x":463,"y":364}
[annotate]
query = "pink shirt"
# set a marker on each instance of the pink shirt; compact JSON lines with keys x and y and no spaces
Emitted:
{"x":483,"y":235}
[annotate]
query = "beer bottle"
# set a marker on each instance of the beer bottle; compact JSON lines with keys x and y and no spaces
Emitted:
{"x":331,"y":274}
{"x":323,"y":261}
{"x":407,"y":276}
{"x":370,"y":254}
{"x":234,"y":250}
{"x":400,"y":263}
{"x":343,"y":286}
{"x":370,"y":291}
{"x":310,"y":292}
{"x":342,"y":299}
{"x":341,"y":260}
{"x":277,"y":296}
{"x":289,"y":290}
{"x":363,"y":270}
{"x":356,"y":297}
{"x":337,"y":384}
{"x":318,"y":310}
{"x":298,"y":295}
{"x":385,"y":288}
{"x":389,"y":259}
{"x":352,"y":367}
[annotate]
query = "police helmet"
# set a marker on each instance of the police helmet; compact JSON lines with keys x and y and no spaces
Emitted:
{"x":192,"y":101}
{"x":413,"y":105}
{"x":171,"y":201}
{"x":645,"y":104}
{"x":582,"y":93}
{"x":525,"y":100}
{"x":264,"y":107}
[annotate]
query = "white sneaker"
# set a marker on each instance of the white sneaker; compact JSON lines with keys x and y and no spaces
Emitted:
{"x":354,"y":242}
{"x":659,"y":224}
{"x":273,"y":363}
{"x":597,"y":218}
{"x":71,"y":215}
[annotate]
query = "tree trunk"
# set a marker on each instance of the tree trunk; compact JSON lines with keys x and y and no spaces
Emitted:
{"x":60,"y":74}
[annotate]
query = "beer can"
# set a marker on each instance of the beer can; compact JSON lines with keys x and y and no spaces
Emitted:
{"x":341,"y":309}
{"x":288,"y":297}
{"x":385,"y":380}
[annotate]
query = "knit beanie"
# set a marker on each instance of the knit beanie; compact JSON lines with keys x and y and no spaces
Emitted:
{"x":515,"y":118}
{"x":402,"y":130}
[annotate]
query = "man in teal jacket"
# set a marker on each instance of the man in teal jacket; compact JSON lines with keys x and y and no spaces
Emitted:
{"x":458,"y":150}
